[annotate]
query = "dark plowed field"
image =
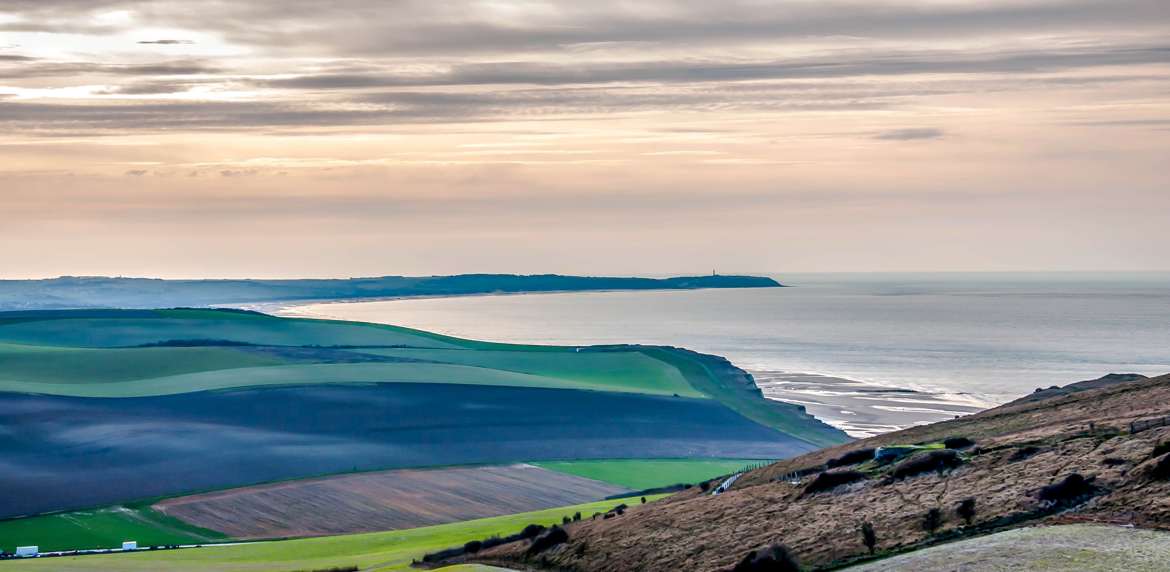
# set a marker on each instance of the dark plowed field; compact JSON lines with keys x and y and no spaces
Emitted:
{"x":69,"y":452}
{"x":384,"y":500}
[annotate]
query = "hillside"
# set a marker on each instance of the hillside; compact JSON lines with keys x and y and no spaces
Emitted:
{"x":1091,"y":456}
{"x":168,"y":402}
{"x":72,"y":292}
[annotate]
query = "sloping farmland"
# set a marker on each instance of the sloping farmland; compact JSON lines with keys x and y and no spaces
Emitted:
{"x":383,"y":500}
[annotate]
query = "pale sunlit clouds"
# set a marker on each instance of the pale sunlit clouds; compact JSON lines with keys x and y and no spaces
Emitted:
{"x":266,"y":137}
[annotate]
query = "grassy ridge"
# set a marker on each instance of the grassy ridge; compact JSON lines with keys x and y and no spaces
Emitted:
{"x":641,"y":474}
{"x":380,"y":551}
{"x":98,"y":354}
{"x":100,"y":528}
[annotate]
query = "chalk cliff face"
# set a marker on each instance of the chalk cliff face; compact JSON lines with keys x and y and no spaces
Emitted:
{"x":1094,"y":454}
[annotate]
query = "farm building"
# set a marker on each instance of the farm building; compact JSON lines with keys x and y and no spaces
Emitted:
{"x":130,"y":545}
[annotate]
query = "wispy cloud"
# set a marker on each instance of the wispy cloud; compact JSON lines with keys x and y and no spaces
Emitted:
{"x":911,"y":134}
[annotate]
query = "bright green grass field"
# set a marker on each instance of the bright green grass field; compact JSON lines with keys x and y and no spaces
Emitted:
{"x":641,"y":474}
{"x":57,"y":365}
{"x":281,"y":375}
{"x":164,"y":325}
{"x":379,"y":551}
{"x":609,"y":370}
{"x":91,"y":356}
{"x":101,"y":528}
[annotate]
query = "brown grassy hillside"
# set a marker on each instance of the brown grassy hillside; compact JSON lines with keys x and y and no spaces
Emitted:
{"x":1020,"y":451}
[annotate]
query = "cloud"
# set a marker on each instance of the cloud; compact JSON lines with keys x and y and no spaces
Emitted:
{"x":43,"y":68}
{"x":890,"y":63}
{"x":136,"y":172}
{"x":166,"y":42}
{"x":911,"y":134}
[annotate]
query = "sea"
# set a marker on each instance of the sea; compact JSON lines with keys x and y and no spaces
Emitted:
{"x":868,"y":353}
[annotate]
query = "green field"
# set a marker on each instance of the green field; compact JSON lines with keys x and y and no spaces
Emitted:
{"x":375,"y":552}
{"x":100,"y":355}
{"x":641,"y":474}
{"x":135,"y":353}
{"x":101,"y":528}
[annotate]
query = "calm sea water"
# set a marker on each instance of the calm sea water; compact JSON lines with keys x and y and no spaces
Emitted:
{"x":959,"y":341}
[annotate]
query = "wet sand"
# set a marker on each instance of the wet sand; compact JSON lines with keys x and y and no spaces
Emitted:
{"x":864,"y":409}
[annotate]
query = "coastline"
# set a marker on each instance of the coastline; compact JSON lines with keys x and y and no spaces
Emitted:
{"x":859,"y":408}
{"x":295,"y":308}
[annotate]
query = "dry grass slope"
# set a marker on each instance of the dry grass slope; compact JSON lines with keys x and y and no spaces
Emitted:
{"x":1021,"y":448}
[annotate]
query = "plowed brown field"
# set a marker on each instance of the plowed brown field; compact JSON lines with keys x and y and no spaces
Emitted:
{"x":385,"y":500}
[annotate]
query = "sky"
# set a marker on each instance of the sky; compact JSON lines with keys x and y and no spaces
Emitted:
{"x":283,"y":138}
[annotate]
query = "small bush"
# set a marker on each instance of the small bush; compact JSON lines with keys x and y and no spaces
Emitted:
{"x":566,"y":520}
{"x":927,"y":462}
{"x":932,"y":520}
{"x":1161,"y":470}
{"x":473,"y":546}
{"x":851,"y":458}
{"x":705,"y":486}
{"x":868,"y":536}
{"x":1023,"y":454}
{"x":555,"y":535}
{"x":958,"y":443}
{"x":774,"y":558}
{"x":532,"y":531}
{"x":1068,"y":491}
{"x":1113,"y":462}
{"x":577,"y":516}
{"x":830,"y":480}
{"x":966,"y":510}
{"x":1161,"y":449}
{"x":643,"y":500}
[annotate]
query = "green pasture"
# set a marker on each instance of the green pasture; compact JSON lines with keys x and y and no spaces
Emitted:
{"x":378,"y":551}
{"x":313,"y":374}
{"x":100,"y":528}
{"x":605,"y":370}
{"x":139,"y":328}
{"x":641,"y":474}
{"x":58,"y":365}
{"x":100,"y":354}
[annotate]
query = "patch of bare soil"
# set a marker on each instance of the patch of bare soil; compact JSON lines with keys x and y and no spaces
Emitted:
{"x":385,"y":500}
{"x":1090,"y":456}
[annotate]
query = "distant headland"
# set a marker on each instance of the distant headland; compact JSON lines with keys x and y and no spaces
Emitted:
{"x":69,"y":292}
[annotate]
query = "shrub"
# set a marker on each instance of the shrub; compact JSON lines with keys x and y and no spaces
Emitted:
{"x":1161,"y":469}
{"x":643,"y":500}
{"x":851,"y":458}
{"x":774,"y":558}
{"x":926,"y":463}
{"x":958,"y":443}
{"x":577,"y":516}
{"x":1023,"y":453}
{"x":473,"y":546}
{"x":830,"y":480}
{"x":1113,"y":462}
{"x":1068,"y":491}
{"x":705,"y":486}
{"x":566,"y":520}
{"x":932,"y":520}
{"x":966,"y":510}
{"x":555,"y":535}
{"x":868,"y":536}
{"x":1161,"y":449}
{"x":532,"y":531}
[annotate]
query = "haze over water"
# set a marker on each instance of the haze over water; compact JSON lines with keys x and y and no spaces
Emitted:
{"x":960,"y":341}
